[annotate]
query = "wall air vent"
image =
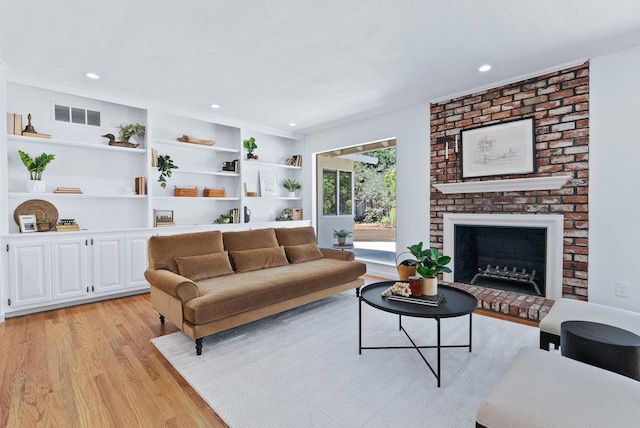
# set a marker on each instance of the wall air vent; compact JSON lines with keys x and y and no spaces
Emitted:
{"x":76,"y":115}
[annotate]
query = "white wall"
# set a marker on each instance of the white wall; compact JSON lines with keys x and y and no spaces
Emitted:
{"x":614,"y":178}
{"x":410,"y":128}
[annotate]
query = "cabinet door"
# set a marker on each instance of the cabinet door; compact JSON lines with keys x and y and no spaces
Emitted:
{"x":136,"y":260}
{"x":29,"y":273}
{"x":69,"y":268}
{"x":108,"y":263}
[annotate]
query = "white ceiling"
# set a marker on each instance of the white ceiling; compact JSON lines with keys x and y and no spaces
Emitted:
{"x":317,"y":63}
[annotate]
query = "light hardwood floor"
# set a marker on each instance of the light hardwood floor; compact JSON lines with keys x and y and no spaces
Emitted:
{"x":94,"y":366}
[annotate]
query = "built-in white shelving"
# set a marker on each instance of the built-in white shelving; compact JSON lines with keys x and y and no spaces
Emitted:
{"x":56,"y":142}
{"x":193,"y":146}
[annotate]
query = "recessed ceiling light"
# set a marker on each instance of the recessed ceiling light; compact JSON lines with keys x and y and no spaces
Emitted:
{"x":484,"y":68}
{"x":92,"y":75}
{"x":214,"y":106}
{"x":292,"y":124}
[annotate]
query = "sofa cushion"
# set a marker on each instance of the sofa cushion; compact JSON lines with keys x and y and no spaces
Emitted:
{"x":163,"y":250}
{"x":204,"y":266}
{"x":259,"y":258}
{"x":249,"y":239}
{"x":229,"y":295}
{"x":288,"y":236}
{"x":303,"y":253}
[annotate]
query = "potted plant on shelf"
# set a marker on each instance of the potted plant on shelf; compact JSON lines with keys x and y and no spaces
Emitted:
{"x":430,"y":264}
{"x":291,"y":186}
{"x":165,"y":165}
{"x":128,"y":131}
{"x":36,"y":168}
{"x":250,"y":145}
{"x":223,"y":219}
{"x":342,"y":235}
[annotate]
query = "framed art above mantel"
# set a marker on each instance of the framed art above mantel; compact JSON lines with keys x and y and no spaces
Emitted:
{"x":506,"y":148}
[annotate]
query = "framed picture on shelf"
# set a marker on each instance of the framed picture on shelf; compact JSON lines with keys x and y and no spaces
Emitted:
{"x":27,"y":223}
{"x":268,"y":183}
{"x":507,"y":148}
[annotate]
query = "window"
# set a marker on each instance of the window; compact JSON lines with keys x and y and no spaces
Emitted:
{"x":337,"y":192}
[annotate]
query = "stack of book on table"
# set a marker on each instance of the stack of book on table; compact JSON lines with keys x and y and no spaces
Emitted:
{"x":420,"y":300}
{"x":66,"y":225}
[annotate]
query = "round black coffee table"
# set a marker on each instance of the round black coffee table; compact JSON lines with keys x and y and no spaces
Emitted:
{"x":454,"y":303}
{"x":601,"y":345}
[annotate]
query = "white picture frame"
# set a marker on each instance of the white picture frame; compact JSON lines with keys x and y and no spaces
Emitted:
{"x":28,"y":223}
{"x":268,"y":184}
{"x":506,"y":148}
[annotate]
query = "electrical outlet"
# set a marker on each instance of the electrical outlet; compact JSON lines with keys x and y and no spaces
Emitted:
{"x":622,"y":289}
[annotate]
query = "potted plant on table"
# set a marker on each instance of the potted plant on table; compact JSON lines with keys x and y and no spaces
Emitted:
{"x":291,"y":186}
{"x":250,"y":145}
{"x":36,"y":168}
{"x":342,"y":235}
{"x":430,"y":264}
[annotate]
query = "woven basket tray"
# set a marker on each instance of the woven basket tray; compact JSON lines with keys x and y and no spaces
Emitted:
{"x":182,"y":191}
{"x":214,"y":193}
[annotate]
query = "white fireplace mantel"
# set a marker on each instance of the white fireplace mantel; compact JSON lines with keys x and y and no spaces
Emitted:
{"x":553,"y":223}
{"x":515,"y":184}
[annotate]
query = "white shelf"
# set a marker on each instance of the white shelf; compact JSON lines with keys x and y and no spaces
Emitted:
{"x":278,"y":165}
{"x":197,"y":197}
{"x":55,"y":142}
{"x":74,"y":195}
{"x":276,"y":198}
{"x":194,"y":146}
{"x":203,"y":172}
{"x":516,"y":184}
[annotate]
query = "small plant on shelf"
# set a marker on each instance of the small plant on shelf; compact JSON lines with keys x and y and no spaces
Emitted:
{"x":342,"y":235}
{"x":224,"y":218}
{"x":291,"y":185}
{"x":128,"y":131}
{"x":250,"y":145}
{"x":36,"y":166}
{"x":165,"y":165}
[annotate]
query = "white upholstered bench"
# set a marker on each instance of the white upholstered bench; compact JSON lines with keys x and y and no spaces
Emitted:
{"x":570,"y":310}
{"x":545,"y":389}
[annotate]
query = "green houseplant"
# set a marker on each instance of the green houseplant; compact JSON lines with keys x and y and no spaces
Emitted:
{"x":429,"y":263}
{"x":165,"y":165}
{"x":36,"y":167}
{"x":342,"y":235}
{"x":128,"y":131}
{"x":250,"y":145}
{"x":291,"y":186}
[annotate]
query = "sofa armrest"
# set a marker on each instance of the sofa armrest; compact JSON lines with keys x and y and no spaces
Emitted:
{"x":338,"y":254}
{"x":178,"y":286}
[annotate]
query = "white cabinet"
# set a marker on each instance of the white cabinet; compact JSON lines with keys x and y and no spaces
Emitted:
{"x":108,"y":264}
{"x":29,"y":273}
{"x":69,"y":268}
{"x":136,"y":260}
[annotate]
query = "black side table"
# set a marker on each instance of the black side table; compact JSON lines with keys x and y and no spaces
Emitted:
{"x":605,"y":346}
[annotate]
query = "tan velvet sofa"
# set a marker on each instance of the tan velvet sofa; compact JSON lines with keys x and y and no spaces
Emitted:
{"x":212,"y":281}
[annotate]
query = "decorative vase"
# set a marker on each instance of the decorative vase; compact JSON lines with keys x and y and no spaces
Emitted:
{"x":44,"y":227}
{"x":35,"y":186}
{"x":406,"y":272}
{"x":415,"y":284}
{"x":292,"y":194}
{"x":342,"y":240}
{"x":249,"y":155}
{"x":430,"y":286}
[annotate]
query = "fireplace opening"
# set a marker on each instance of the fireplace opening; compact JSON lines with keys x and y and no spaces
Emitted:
{"x":503,"y":258}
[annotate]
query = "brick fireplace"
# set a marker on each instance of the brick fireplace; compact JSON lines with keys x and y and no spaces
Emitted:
{"x":559,"y":104}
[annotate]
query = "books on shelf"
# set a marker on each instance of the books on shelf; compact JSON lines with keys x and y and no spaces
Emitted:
{"x":14,"y":124}
{"x":297,"y":160}
{"x":141,"y":185}
{"x":154,"y":157}
{"x":67,"y":227}
{"x":420,"y":300}
{"x":70,"y":190}
{"x":235,"y":215}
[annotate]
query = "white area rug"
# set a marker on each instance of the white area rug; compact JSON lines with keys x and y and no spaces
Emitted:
{"x":302,"y":368}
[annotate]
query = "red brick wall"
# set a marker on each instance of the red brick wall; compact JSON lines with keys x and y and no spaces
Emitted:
{"x":559,"y":104}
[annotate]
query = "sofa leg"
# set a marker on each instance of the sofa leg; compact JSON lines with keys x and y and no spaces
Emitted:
{"x":358,"y":292}
{"x":161,"y":319}
{"x":199,"y":346}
